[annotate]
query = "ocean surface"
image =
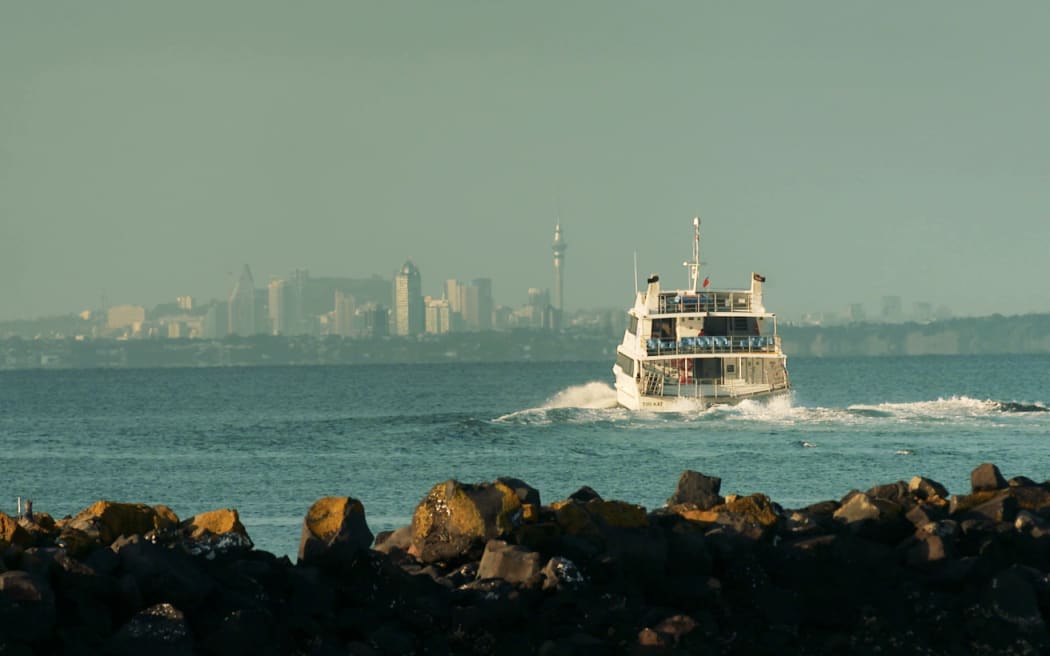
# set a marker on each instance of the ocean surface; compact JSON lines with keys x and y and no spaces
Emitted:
{"x":271,"y":441}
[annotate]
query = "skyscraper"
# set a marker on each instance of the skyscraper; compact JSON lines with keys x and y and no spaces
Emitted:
{"x":344,"y":314}
{"x":484,"y":306}
{"x":439,"y":316}
{"x":409,"y":312}
{"x":559,"y":246}
{"x":242,"y":305}
{"x":278,"y":295}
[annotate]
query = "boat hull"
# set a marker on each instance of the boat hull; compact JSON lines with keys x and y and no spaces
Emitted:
{"x":685,"y":398}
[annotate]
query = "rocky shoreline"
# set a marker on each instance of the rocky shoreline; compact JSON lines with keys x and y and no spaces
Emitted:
{"x":902,"y":568}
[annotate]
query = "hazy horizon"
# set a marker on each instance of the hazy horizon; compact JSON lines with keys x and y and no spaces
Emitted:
{"x":847,"y":151}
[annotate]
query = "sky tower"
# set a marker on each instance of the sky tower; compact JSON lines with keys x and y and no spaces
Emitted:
{"x":558,"y":247}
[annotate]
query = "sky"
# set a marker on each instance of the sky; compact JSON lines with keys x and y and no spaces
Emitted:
{"x":845,"y":150}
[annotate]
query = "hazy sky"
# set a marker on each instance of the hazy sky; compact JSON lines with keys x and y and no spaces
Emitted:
{"x":846,"y":150}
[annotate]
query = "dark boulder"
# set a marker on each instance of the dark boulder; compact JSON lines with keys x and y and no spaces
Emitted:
{"x":897,"y":491}
{"x":698,"y":489}
{"x":1013,"y":599}
{"x":163,"y":575}
{"x":526,"y":494}
{"x":394,"y":543}
{"x":334,"y":529}
{"x":928,"y":548}
{"x":27,"y":607}
{"x":160,"y":630}
{"x":986,"y":477}
{"x":512,"y":563}
{"x":244,"y":632}
{"x":926,"y":513}
{"x":670,"y":633}
{"x":585,"y":494}
{"x":562,"y":574}
{"x":927,"y":488}
{"x":989,"y":505}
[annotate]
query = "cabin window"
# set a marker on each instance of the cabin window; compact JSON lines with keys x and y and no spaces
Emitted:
{"x":626,"y":363}
{"x":664,"y":329}
{"x":715,"y":326}
{"x":632,"y":324}
{"x":740,"y":324}
{"x":707,"y":368}
{"x":730,"y":368}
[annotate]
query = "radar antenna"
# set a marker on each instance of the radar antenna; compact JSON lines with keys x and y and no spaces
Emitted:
{"x":694,"y":266}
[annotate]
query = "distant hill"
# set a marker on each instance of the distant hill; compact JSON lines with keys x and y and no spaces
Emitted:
{"x":997,"y":334}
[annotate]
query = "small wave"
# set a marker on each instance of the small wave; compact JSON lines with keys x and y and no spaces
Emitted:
{"x":1013,"y":406}
{"x":872,"y":413}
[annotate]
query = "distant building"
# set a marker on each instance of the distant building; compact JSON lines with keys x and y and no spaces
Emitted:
{"x":371,"y":320}
{"x":216,"y":321}
{"x":241,"y":316}
{"x":537,"y":312}
{"x":502,"y":317}
{"x":275,"y":291}
{"x":439,"y":316}
{"x":470,"y":305}
{"x":285,"y":300}
{"x":121,"y":317}
{"x":892,"y":308}
{"x":409,"y":318}
{"x":484,"y":303}
{"x":318,"y":294}
{"x":455,"y":303}
{"x":185,"y":302}
{"x":922,"y":311}
{"x":856,"y":312}
{"x":343,"y":315}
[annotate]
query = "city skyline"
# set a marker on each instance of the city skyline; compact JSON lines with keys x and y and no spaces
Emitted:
{"x":846,"y":152}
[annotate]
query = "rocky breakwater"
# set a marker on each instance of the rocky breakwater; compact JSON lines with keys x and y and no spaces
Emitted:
{"x":902,"y":568}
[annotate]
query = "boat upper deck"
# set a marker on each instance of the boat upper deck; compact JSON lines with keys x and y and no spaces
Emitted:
{"x":680,"y":302}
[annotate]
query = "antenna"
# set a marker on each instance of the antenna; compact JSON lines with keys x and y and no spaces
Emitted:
{"x":636,"y":273}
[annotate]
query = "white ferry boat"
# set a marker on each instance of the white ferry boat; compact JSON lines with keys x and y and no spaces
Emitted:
{"x":697,"y":347}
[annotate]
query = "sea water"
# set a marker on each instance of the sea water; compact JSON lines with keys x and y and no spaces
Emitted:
{"x":271,"y":441}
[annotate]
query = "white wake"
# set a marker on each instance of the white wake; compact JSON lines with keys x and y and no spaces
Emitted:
{"x":589,"y":397}
{"x":955,"y":407}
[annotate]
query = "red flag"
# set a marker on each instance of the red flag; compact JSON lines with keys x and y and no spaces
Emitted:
{"x":707,"y":281}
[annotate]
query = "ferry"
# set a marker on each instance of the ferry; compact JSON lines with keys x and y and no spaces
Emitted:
{"x":697,"y":347}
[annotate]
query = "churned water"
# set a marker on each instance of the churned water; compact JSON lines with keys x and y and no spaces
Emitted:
{"x":270,"y":441}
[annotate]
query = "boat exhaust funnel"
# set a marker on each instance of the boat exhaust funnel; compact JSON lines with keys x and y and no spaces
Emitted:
{"x":652,"y":293}
{"x":756,"y":292}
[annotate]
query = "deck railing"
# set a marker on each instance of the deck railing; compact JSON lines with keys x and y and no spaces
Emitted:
{"x":712,"y":344}
{"x":705,"y":302}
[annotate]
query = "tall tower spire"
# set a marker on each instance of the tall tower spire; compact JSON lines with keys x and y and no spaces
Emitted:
{"x":558,"y":247}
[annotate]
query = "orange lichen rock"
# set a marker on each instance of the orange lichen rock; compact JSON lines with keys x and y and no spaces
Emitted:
{"x":456,"y":517}
{"x":12,"y":533}
{"x":334,"y":526}
{"x":216,"y":522}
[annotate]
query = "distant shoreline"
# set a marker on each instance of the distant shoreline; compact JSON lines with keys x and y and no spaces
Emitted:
{"x":995,"y":335}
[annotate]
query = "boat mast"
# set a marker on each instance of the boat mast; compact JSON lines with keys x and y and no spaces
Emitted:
{"x":694,"y":266}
